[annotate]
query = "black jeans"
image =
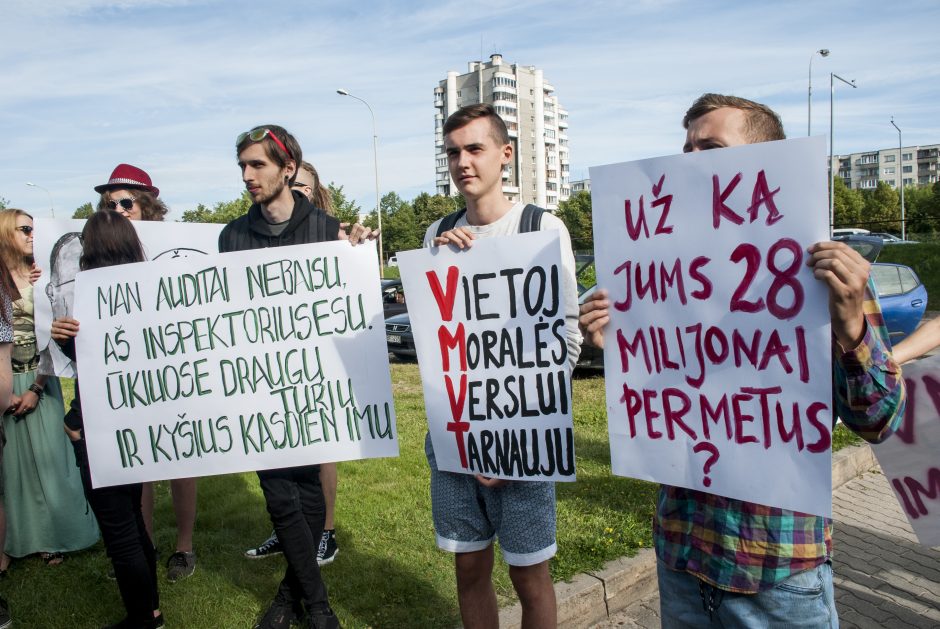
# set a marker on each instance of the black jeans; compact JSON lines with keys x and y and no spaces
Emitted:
{"x":117,"y":510}
{"x":295,"y":503}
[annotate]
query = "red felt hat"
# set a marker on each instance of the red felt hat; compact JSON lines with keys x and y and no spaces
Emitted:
{"x":127,"y":176}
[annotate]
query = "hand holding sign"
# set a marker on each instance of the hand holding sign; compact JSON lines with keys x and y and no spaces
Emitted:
{"x":717,"y":351}
{"x":491,"y":343}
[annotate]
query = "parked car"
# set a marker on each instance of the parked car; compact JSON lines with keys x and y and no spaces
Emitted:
{"x":891,"y":239}
{"x":848,"y":231}
{"x":399,"y":337}
{"x":902,"y":295}
{"x":393,"y":298}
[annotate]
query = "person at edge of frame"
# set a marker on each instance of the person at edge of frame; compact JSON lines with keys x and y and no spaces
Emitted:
{"x":730,"y":563}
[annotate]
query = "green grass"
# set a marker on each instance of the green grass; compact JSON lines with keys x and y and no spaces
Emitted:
{"x":389,"y":573}
{"x":924,"y":258}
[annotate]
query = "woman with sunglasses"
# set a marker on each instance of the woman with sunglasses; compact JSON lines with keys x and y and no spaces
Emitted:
{"x":42,"y":491}
{"x":108,"y":240}
{"x":130,"y":192}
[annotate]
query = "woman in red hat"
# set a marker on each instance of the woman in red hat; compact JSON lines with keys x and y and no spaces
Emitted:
{"x":131,"y":192}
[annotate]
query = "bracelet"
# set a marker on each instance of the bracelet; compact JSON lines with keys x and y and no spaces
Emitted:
{"x":38,"y":390}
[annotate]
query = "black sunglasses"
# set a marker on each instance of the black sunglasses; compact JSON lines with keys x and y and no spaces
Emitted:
{"x":127,"y":203}
{"x":26,"y":229}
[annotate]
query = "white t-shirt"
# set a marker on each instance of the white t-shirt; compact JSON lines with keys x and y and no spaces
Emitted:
{"x":508,"y":225}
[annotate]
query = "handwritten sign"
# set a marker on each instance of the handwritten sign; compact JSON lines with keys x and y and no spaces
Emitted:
{"x":57,"y":249}
{"x":910,"y":458}
{"x":717,"y":356}
{"x":489,"y":328}
{"x":241,"y":361}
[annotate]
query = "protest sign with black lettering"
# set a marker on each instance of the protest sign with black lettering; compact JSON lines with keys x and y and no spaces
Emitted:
{"x":57,"y":249}
{"x":231,"y":362}
{"x":910,"y":458}
{"x":717,"y":355}
{"x":489,"y":330}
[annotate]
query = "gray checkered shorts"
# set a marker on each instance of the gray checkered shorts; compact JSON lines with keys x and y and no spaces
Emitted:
{"x":468,"y":516}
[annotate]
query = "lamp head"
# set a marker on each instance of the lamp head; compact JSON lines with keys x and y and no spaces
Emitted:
{"x":342,"y":92}
{"x":824,"y":52}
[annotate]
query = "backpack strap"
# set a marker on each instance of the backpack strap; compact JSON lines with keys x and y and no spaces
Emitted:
{"x":450,"y":221}
{"x":531,"y":219}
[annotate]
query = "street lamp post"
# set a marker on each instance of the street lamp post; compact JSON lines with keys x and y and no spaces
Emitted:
{"x":822,"y":52}
{"x":375,"y":157}
{"x":832,"y":169}
{"x":901,"y":182}
{"x":33,"y":185}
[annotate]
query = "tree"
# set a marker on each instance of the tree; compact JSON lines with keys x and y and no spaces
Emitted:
{"x":345,"y":209}
{"x":882,"y":211}
{"x":4,"y":203}
{"x":575,"y":213}
{"x":222,"y":212}
{"x":429,"y":208}
{"x":847,"y":205}
{"x":83,"y":211}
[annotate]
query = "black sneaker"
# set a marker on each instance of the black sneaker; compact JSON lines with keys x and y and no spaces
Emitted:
{"x":5,"y":619}
{"x":327,"y":550}
{"x":323,"y":621}
{"x":180,"y":565}
{"x":280,"y":615}
{"x":268,"y":548}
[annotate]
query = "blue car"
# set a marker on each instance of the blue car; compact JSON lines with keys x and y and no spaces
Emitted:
{"x":902,"y":295}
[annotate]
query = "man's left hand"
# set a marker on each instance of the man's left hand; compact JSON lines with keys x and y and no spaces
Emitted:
{"x":845,"y":273}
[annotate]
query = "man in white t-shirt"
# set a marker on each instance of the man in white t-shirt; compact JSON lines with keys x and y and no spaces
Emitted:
{"x":470,"y":511}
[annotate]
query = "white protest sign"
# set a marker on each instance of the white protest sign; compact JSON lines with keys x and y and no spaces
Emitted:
{"x":717,"y":355}
{"x":57,"y":248}
{"x":489,"y":330}
{"x":910,"y":458}
{"x":231,"y":362}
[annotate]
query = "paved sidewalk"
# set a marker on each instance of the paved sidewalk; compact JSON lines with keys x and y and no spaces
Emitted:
{"x":883,"y":577}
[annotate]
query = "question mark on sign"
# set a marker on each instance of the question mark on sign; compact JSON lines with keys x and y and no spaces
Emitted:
{"x":712,"y":459}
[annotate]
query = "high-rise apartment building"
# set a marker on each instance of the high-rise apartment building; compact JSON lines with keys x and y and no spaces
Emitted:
{"x":916,"y":165}
{"x":538,"y":128}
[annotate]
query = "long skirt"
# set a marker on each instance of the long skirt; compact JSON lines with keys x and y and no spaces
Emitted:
{"x":45,"y":505}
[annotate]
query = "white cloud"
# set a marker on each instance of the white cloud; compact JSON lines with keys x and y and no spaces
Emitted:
{"x":167,"y":84}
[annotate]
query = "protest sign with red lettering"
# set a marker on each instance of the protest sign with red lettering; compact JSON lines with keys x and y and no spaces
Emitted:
{"x":717,"y":355}
{"x":910,"y":458}
{"x":489,"y":330}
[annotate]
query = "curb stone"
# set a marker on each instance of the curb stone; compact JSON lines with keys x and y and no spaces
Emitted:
{"x":594,"y":596}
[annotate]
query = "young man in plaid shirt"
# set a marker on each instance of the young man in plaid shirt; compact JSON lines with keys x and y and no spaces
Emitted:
{"x":730,"y":563}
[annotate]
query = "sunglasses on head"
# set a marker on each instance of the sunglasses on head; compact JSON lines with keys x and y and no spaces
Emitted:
{"x":26,"y":229}
{"x":256,"y":135}
{"x":126,"y":203}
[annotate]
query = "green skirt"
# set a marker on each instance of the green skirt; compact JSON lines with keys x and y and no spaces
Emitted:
{"x":43,"y":497}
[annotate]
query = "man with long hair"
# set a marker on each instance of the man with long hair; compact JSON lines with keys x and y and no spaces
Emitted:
{"x":269,"y":158}
{"x":307,"y":182}
{"x":730,"y":563}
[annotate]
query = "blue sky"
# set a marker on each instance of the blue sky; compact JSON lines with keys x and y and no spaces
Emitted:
{"x":168,"y":84}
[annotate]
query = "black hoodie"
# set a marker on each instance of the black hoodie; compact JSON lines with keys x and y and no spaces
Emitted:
{"x":307,"y":224}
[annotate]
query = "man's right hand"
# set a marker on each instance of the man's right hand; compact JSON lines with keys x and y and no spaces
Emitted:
{"x":461,"y":237}
{"x":63,"y":329}
{"x":594,"y":317}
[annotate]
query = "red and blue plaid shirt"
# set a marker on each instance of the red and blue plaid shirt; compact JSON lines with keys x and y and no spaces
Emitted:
{"x":746,"y":547}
